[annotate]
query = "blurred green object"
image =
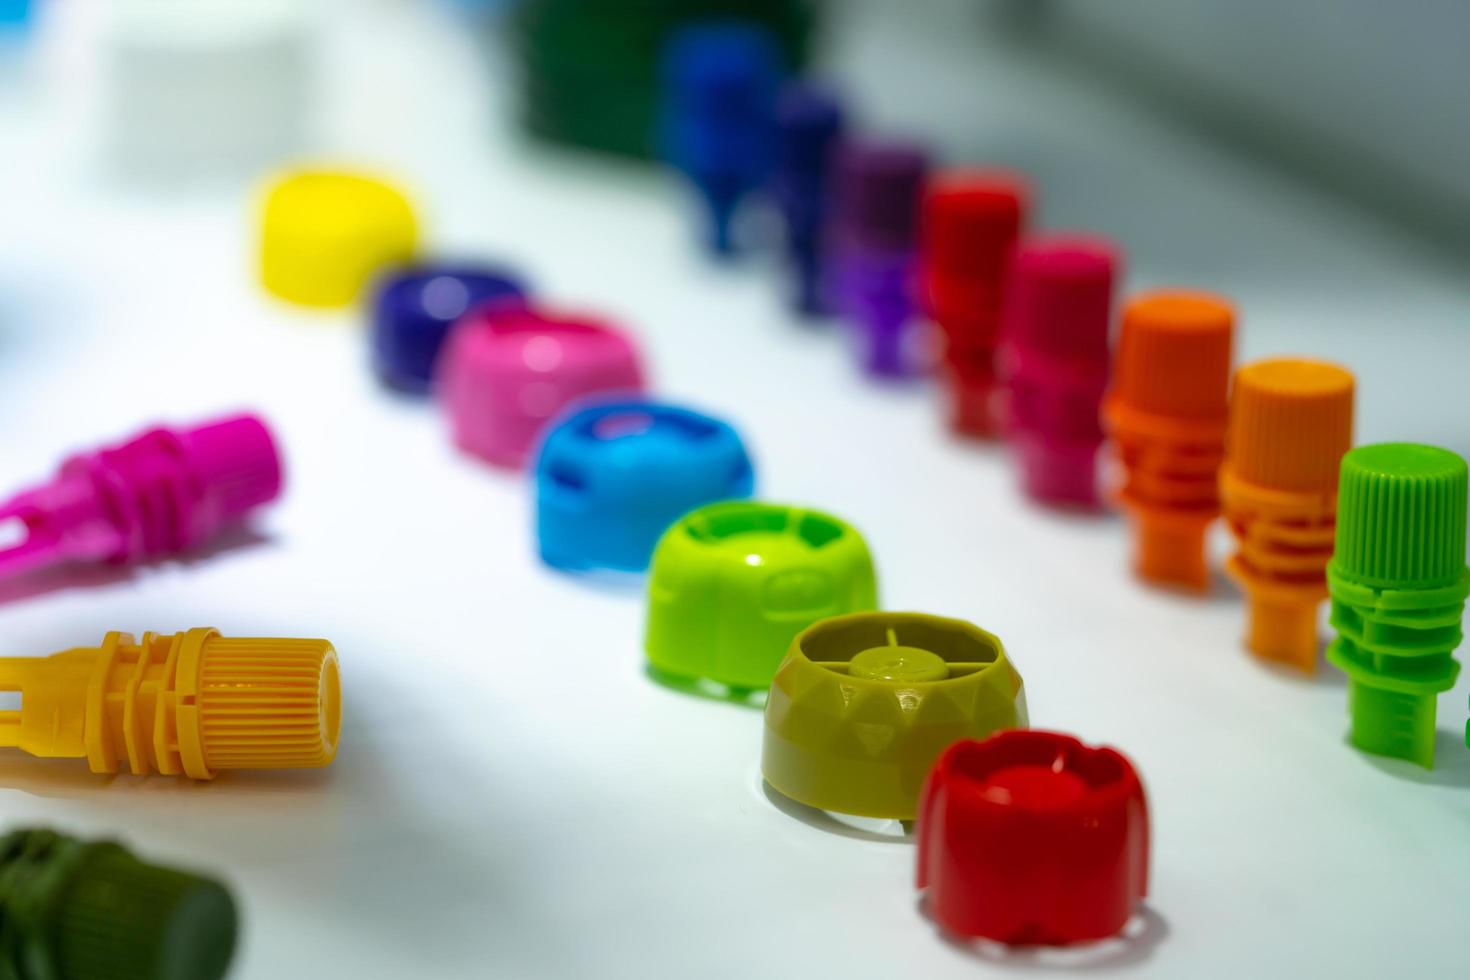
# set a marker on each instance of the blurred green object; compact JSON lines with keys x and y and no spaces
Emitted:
{"x":589,"y":68}
{"x":90,"y":910}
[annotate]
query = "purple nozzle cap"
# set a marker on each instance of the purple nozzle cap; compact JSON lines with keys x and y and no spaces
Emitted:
{"x":878,"y":189}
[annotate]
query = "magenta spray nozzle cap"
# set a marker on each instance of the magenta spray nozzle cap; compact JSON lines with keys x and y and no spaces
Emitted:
{"x":163,"y":492}
{"x":1058,"y":311}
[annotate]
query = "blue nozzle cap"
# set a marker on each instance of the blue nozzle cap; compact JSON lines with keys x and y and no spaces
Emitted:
{"x":612,"y":475}
{"x":416,"y":306}
{"x":720,"y":83}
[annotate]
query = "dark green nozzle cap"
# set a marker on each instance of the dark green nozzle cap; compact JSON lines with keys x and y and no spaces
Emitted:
{"x":124,"y":919}
{"x":77,"y":910}
{"x":1401,"y":516}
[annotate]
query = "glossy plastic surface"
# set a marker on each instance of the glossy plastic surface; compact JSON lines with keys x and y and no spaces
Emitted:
{"x":1058,"y":315}
{"x":972,"y":220}
{"x":1291,"y":420}
{"x":1398,"y":582}
{"x":1032,"y":837}
{"x":720,"y":81}
{"x":733,"y":583}
{"x":75,"y":910}
{"x":191,"y":704}
{"x":508,"y":370}
{"x":414,"y":309}
{"x":160,"y":493}
{"x":863,"y":704}
{"x":611,"y":477}
{"x":1167,"y":412}
{"x":326,"y":235}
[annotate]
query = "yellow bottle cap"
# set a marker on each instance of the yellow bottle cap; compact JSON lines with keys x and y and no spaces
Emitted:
{"x":326,"y":235}
{"x":189,"y":704}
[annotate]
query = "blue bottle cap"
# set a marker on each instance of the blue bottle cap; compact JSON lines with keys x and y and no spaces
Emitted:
{"x":612,"y":475}
{"x":720,"y":81}
{"x":416,"y":306}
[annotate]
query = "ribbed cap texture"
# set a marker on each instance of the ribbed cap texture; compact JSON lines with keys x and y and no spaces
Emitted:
{"x":972,"y":220}
{"x":238,"y":462}
{"x":126,"y":920}
{"x":1291,"y":420}
{"x":269,"y":703}
{"x":1060,"y":299}
{"x":1174,"y":355}
{"x":1401,"y":516}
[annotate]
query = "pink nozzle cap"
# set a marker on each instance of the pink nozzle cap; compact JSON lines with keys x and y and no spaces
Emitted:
{"x":237,"y":461}
{"x":1058,"y":314}
{"x":162,"y":492}
{"x":509,"y":368}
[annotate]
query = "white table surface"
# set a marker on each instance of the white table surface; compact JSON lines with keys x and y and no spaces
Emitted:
{"x":513,"y":797}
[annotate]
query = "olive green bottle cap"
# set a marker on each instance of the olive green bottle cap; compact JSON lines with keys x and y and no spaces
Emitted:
{"x":1401,"y":516}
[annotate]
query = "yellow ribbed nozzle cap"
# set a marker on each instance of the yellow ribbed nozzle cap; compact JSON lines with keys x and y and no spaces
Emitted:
{"x":325,"y":235}
{"x":189,"y":704}
{"x":1291,"y":419}
{"x":268,"y":704}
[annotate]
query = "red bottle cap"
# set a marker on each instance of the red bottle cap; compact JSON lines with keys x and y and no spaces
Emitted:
{"x":1031,"y":837}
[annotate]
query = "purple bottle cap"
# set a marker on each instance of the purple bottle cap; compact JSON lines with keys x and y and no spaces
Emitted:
{"x":878,"y":189}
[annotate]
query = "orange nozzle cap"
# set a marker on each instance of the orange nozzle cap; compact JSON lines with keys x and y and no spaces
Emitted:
{"x":1174,"y":356}
{"x":189,"y":704}
{"x":1291,"y":421}
{"x":1166,"y":413}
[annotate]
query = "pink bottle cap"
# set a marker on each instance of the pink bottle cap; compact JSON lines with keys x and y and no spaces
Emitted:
{"x":1058,"y":311}
{"x":508,"y":369}
{"x":162,"y":492}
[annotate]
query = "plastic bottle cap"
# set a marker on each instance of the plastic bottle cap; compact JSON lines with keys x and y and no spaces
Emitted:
{"x":75,"y":909}
{"x":1031,"y":837}
{"x":1401,"y":516}
{"x":864,"y":703}
{"x":1059,"y":307}
{"x":720,"y":87}
{"x":160,"y":493}
{"x":508,"y":370}
{"x":1291,"y":420}
{"x":415,"y":308}
{"x":589,"y":70}
{"x":878,"y":190}
{"x":732,"y":583}
{"x":971,"y":222}
{"x":1058,"y":314}
{"x":611,"y":476}
{"x":189,"y":704}
{"x":210,"y":89}
{"x":1174,"y":356}
{"x":325,"y":235}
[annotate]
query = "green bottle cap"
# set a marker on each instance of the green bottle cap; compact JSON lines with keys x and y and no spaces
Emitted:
{"x":77,"y":910}
{"x":1401,"y":516}
{"x":127,"y":920}
{"x":733,"y":583}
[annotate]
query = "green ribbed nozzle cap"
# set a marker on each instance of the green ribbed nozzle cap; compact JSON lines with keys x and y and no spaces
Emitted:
{"x":123,"y":919}
{"x":1401,"y":516}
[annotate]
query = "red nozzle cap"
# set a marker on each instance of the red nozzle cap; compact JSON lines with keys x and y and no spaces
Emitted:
{"x":236,"y":460}
{"x":971,"y":221}
{"x":1031,"y":837}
